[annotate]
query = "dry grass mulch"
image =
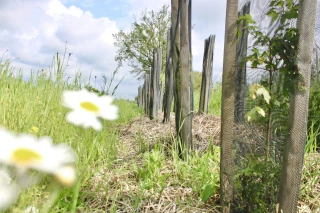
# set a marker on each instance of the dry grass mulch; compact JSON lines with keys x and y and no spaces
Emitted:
{"x":118,"y":186}
{"x":145,"y":132}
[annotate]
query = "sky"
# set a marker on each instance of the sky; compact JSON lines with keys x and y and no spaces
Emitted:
{"x":32,"y":31}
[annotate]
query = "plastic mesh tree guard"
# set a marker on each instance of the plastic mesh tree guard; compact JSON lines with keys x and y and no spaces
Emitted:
{"x":263,"y":143}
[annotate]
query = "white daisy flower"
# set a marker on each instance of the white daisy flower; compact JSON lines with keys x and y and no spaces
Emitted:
{"x":26,"y":151}
{"x":8,"y":195}
{"x":87,"y":107}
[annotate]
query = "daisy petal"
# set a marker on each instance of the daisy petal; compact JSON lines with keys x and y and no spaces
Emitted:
{"x":8,"y":195}
{"x":66,"y":176}
{"x":110,"y":113}
{"x":85,"y":120}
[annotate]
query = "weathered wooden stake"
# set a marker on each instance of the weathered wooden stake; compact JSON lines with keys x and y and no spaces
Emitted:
{"x":175,"y":53}
{"x":168,"y":94}
{"x":147,"y":93}
{"x":184,"y":84}
{"x":206,"y":84}
{"x":160,"y":97}
{"x":158,"y":84}
{"x":153,"y":86}
{"x":140,"y":96}
{"x":241,"y":73}
{"x":191,"y":58}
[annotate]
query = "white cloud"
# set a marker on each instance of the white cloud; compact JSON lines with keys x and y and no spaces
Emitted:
{"x":140,"y":5}
{"x":34,"y":30}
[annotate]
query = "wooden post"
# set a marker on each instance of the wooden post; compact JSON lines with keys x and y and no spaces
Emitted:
{"x":144,"y":95}
{"x":155,"y":78}
{"x":168,"y":94}
{"x":191,"y":69}
{"x":153,"y":87}
{"x":140,"y":96}
{"x":175,"y":53}
{"x":147,"y":94}
{"x":206,"y":84}
{"x":184,"y":86}
{"x":158,"y":84}
{"x":160,"y":97}
{"x":144,"y":98}
{"x":241,"y":73}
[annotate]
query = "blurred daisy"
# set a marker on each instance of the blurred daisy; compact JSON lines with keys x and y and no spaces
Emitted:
{"x":26,"y":151}
{"x":5,"y":178}
{"x":8,"y":195}
{"x":87,"y":107}
{"x":66,"y":176}
{"x":8,"y":192}
{"x":31,"y":209}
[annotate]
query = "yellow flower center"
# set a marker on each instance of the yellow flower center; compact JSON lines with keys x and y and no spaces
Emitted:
{"x":89,"y":106}
{"x":25,"y":156}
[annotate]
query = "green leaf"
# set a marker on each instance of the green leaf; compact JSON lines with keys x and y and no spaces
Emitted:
{"x":289,"y":3}
{"x":251,"y":115}
{"x":207,"y":191}
{"x":247,"y":18}
{"x":265,"y":93}
{"x":259,"y":90}
{"x":260,"y":111}
{"x":273,"y":14}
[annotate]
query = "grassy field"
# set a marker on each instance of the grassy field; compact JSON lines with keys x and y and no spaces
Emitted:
{"x":152,"y":180}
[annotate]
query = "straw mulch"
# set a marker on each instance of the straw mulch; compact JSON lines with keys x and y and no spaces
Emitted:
{"x":123,"y":190}
{"x":143,"y":133}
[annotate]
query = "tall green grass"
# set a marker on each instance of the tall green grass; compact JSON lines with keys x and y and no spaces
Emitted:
{"x":214,"y":102}
{"x":37,"y":103}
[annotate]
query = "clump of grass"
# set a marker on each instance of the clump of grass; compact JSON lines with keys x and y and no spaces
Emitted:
{"x":310,"y":185}
{"x":215,"y":99}
{"x":214,"y":102}
{"x":310,"y":181}
{"x":313,"y":134}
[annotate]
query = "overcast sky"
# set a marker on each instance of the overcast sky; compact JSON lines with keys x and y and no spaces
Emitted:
{"x":33,"y":30}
